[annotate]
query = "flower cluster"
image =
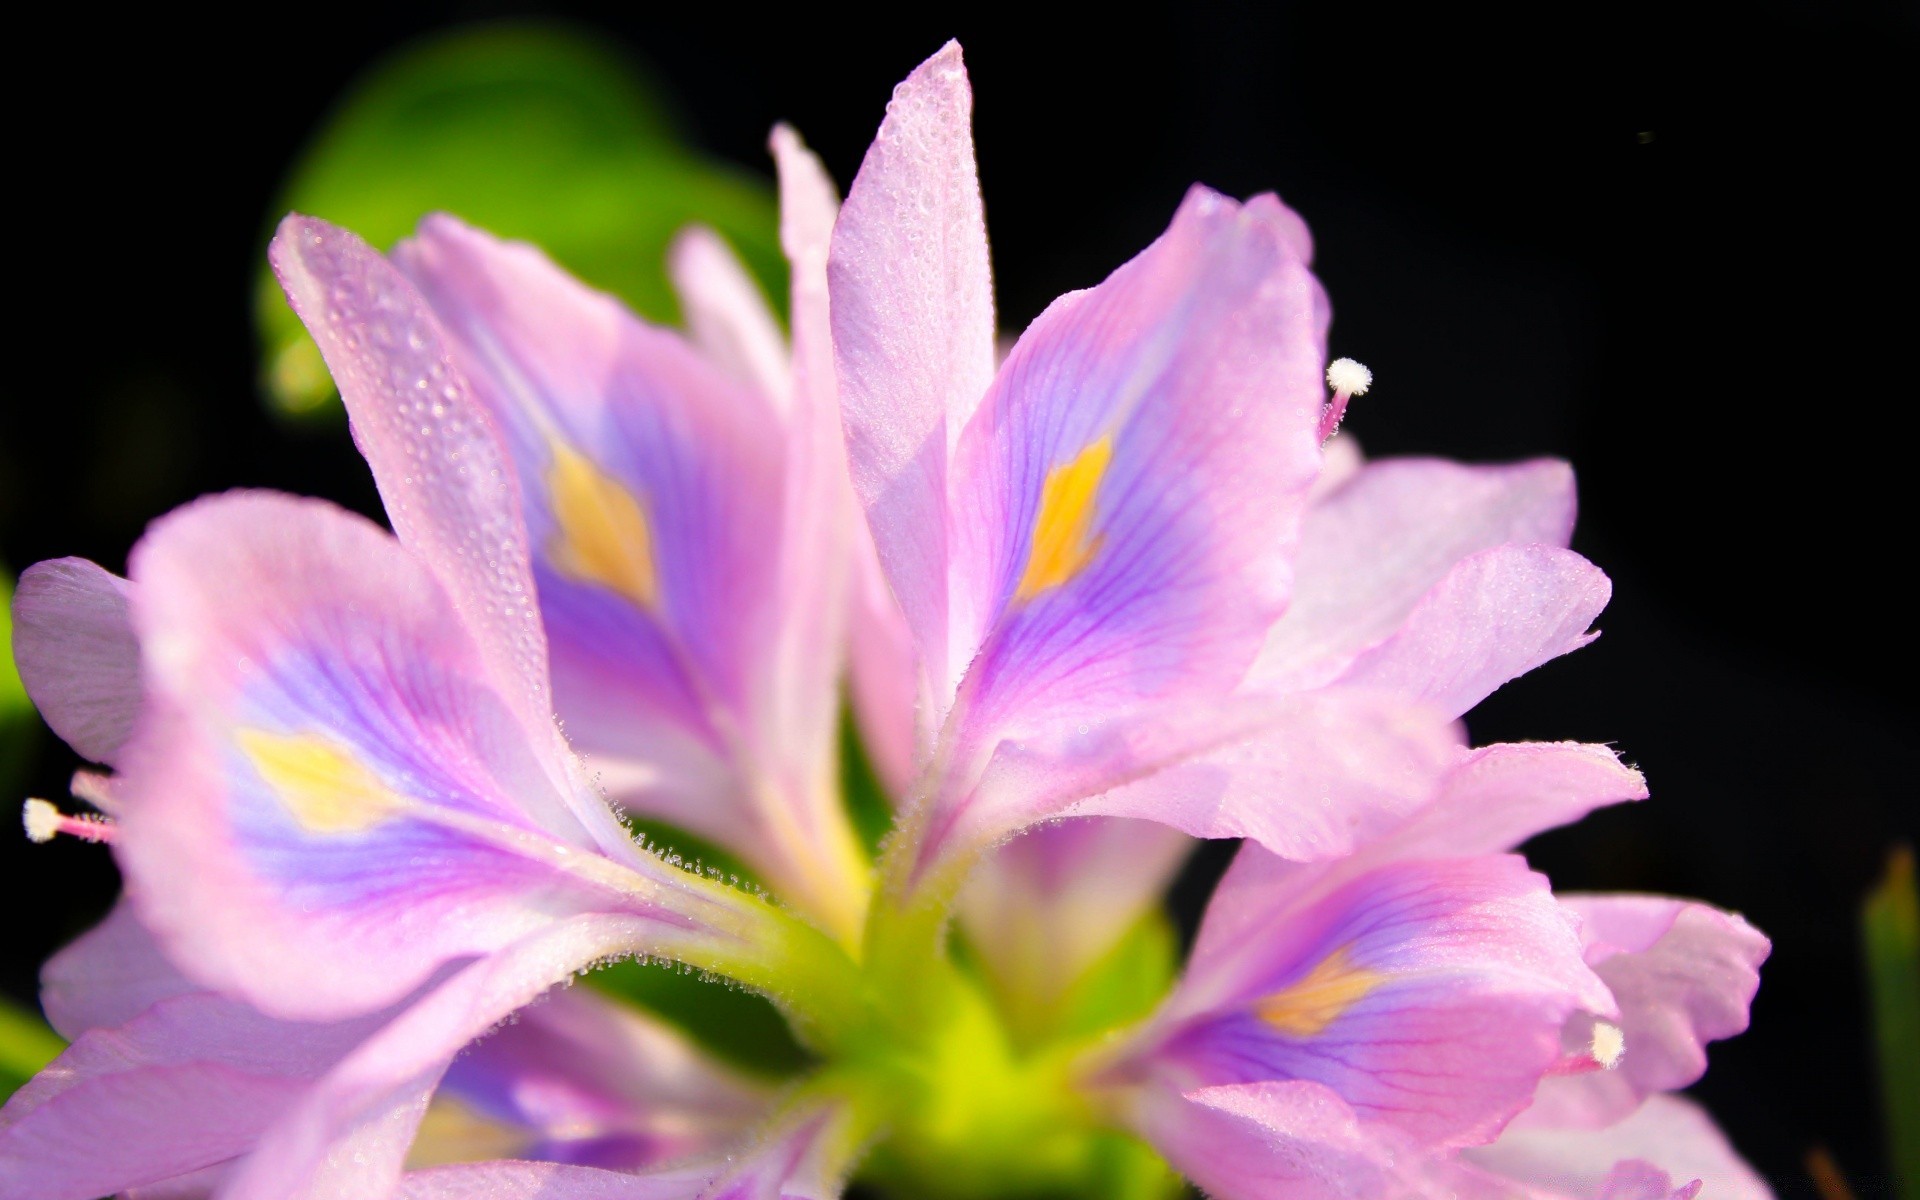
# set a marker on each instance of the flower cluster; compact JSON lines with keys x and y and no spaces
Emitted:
{"x":373,"y":792}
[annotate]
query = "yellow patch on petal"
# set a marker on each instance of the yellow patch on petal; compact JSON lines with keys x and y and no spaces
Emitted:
{"x":325,"y":788}
{"x":1063,"y":541}
{"x":603,"y":537}
{"x":1312,"y":1003}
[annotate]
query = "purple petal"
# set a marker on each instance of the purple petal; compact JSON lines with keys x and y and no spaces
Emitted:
{"x":727,"y":317}
{"x":1315,"y":776}
{"x":1048,"y":905}
{"x":802,"y":705}
{"x":1375,"y":544}
{"x":1125,"y":499}
{"x":1258,"y":1141}
{"x":913,"y":332}
{"x":323,"y":749}
{"x":653,"y":491}
{"x":883,"y":679}
{"x":1497,"y":615}
{"x":596,"y":1083}
{"x":1499,"y":796}
{"x":189,"y":1083}
{"x":1683,"y":974}
{"x":1429,"y":996}
{"x":1490,"y":799}
{"x":445,"y":480}
{"x":548,"y":1181}
{"x":347,"y":1137}
{"x":74,"y":647}
{"x":1669,"y":1133}
{"x":108,"y":976}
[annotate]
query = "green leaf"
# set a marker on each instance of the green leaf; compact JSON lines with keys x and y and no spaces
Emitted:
{"x":742,"y":1027}
{"x":18,"y":729}
{"x":1891,"y":923}
{"x":529,"y":131}
{"x":1127,"y":983}
{"x":867,"y":804}
{"x":26,"y":1045}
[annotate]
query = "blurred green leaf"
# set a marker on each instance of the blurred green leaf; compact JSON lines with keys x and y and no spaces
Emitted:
{"x":1124,"y":986}
{"x":1891,"y":923}
{"x":26,"y":1045}
{"x":742,"y":1027}
{"x":529,"y":131}
{"x":17,"y":726}
{"x":867,"y":804}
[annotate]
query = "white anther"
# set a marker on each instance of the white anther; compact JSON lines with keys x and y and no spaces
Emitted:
{"x":40,"y":819}
{"x":1348,"y":378}
{"x":1609,"y":1043}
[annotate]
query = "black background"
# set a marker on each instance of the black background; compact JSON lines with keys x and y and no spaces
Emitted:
{"x":1672,"y":245}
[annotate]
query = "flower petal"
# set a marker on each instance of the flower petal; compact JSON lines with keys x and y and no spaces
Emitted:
{"x":323,"y":750}
{"x":913,"y":332}
{"x":447,"y":486}
{"x":347,"y":1137}
{"x":1378,"y":542}
{"x":1262,"y":1140}
{"x":1669,"y":1133}
{"x":108,"y":976}
{"x":1045,"y":907}
{"x":1490,"y":799}
{"x":74,"y":647}
{"x":1498,"y":796}
{"x":1497,"y":615}
{"x":516,"y":1180}
{"x":1429,"y":996}
{"x":1683,"y":974}
{"x":600,"y":1084}
{"x":818,"y":516}
{"x":189,"y":1083}
{"x":1125,"y":499}
{"x":727,"y":316}
{"x":1318,"y":774}
{"x":652,"y":487}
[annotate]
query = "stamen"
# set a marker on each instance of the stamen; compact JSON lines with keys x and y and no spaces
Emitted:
{"x":43,"y":822}
{"x":1609,"y":1043}
{"x":1348,"y":379}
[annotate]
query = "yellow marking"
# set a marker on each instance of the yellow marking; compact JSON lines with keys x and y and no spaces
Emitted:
{"x":1063,"y":542}
{"x":603,"y":536}
{"x":322,"y":785}
{"x":1314,"y":1002}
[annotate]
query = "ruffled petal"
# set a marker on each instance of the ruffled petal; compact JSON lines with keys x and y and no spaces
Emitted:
{"x":1429,"y":996}
{"x":347,"y":1137}
{"x":588,"y":1081}
{"x":74,"y":647}
{"x":1313,"y":777}
{"x":1377,"y":542}
{"x":1497,"y":615}
{"x":1683,"y":974}
{"x":1668,"y":1134}
{"x":328,"y":797}
{"x":1262,"y":1140}
{"x":1490,"y":799}
{"x":913,"y":333}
